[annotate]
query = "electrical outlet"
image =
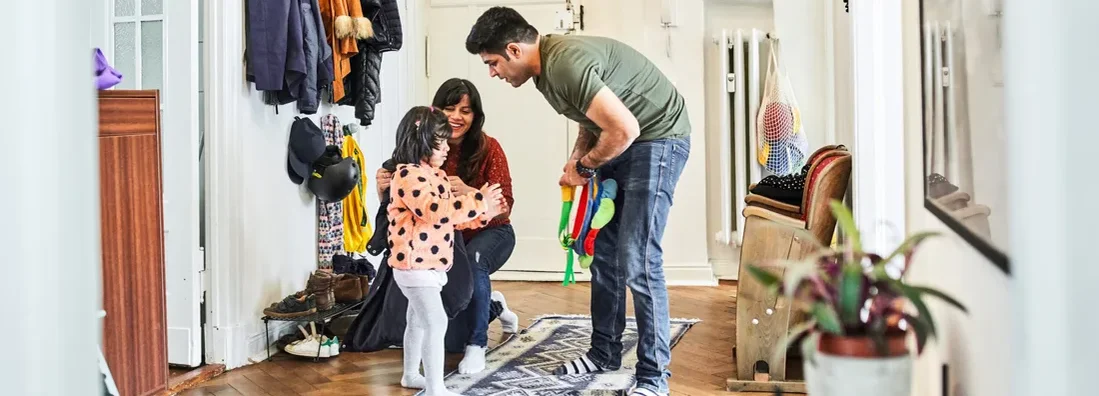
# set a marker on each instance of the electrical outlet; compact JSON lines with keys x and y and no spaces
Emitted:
{"x":668,"y":14}
{"x":564,"y":21}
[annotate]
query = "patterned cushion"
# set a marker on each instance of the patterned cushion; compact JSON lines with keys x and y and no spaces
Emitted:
{"x":813,"y":179}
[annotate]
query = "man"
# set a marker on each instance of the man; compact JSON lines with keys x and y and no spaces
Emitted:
{"x":634,"y":129}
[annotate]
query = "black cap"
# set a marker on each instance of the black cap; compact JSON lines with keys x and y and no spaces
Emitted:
{"x":305,"y":147}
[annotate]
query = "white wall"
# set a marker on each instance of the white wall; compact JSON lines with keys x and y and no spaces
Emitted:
{"x":1052,"y":239}
{"x":803,"y":28}
{"x":49,"y":209}
{"x":721,"y":15}
{"x":844,"y":80}
{"x":262,"y":238}
{"x":976,"y":346}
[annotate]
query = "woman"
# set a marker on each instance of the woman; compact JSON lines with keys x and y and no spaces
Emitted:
{"x":475,"y":159}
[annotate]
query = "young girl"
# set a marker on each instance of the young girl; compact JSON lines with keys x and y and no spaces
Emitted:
{"x":423,"y":215}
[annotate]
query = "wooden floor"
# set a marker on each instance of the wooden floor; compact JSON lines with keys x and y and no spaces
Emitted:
{"x":701,"y":362}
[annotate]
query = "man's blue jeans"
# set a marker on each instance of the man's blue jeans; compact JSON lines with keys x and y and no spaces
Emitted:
{"x":487,"y":251}
{"x":628,"y":253}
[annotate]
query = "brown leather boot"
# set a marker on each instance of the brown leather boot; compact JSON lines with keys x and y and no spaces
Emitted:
{"x":364,"y":282}
{"x":320,"y":285}
{"x":347,"y":288}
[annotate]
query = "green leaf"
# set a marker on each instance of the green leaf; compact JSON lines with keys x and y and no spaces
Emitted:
{"x":846,"y":223}
{"x":826,"y":318}
{"x":940,"y":295}
{"x":908,"y":245}
{"x":877,"y":334}
{"x":797,"y":272}
{"x":916,"y":298}
{"x":850,"y":289}
{"x":809,"y":347}
{"x":795,"y":332}
{"x":923,"y":331}
{"x":763,"y":276}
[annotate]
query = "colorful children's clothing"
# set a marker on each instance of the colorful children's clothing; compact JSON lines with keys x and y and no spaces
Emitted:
{"x":330,"y":214}
{"x":423,"y":216}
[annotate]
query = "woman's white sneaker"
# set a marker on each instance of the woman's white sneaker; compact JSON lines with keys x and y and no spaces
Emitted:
{"x":508,"y":319}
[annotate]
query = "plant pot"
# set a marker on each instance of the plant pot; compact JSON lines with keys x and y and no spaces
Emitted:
{"x":844,"y":366}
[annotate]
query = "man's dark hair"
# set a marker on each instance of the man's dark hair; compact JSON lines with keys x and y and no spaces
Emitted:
{"x":496,"y":28}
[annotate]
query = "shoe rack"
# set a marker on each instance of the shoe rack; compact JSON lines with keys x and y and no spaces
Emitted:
{"x":322,"y":317}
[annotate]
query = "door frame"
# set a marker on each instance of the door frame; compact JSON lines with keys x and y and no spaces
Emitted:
{"x":181,"y":120}
{"x":878,"y":173}
{"x":175,"y":122}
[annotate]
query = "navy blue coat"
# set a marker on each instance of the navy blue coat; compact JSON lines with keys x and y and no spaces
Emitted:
{"x":282,"y":58}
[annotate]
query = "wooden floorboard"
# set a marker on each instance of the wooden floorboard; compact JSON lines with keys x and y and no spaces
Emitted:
{"x":701,"y":362}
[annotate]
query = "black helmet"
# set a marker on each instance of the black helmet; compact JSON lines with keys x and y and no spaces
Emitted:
{"x":334,"y":177}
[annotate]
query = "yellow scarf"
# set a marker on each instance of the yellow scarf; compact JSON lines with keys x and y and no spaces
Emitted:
{"x":356,"y":227}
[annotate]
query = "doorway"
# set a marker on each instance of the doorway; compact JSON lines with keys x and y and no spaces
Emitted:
{"x":531,"y":139}
{"x":148,"y":41}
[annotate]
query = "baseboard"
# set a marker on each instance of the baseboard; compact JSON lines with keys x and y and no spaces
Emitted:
{"x":240,"y":347}
{"x":226,"y":345}
{"x":258,"y":348}
{"x":726,"y":269}
{"x":694,"y":275}
{"x":537,"y":276}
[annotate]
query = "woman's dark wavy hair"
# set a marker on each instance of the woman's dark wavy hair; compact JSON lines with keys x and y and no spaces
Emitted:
{"x":472,"y":153}
{"x":421,"y":130}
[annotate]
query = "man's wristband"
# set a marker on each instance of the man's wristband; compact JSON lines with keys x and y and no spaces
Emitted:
{"x":584,"y":171}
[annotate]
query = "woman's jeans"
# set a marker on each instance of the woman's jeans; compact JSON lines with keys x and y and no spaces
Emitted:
{"x":488,"y":251}
{"x":628,"y":253}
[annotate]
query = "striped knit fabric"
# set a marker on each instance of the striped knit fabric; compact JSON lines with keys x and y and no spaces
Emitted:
{"x":330,"y":214}
{"x":644,"y":392}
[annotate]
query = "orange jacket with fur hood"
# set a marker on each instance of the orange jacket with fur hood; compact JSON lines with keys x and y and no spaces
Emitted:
{"x":344,"y":24}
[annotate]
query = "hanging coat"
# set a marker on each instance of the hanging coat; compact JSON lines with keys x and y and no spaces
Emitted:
{"x":344,"y":25}
{"x":363,"y":85}
{"x":275,"y":57}
{"x":287,"y":56}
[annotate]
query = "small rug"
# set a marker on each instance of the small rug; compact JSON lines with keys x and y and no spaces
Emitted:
{"x":524,"y":364}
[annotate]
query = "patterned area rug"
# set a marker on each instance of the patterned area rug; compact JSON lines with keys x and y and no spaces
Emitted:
{"x":523,"y":364}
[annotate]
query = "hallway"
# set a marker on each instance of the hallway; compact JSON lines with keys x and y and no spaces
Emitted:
{"x":700,"y":362}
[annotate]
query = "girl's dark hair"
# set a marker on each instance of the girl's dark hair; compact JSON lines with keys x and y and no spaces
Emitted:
{"x":472,"y":153}
{"x":421,"y":130}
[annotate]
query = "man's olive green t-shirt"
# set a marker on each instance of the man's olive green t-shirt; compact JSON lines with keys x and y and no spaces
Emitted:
{"x":575,"y":68}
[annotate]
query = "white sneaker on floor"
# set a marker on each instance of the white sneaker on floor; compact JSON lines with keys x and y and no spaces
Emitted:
{"x":508,"y":319}
{"x":644,"y":392}
{"x":311,"y":346}
{"x":334,"y":346}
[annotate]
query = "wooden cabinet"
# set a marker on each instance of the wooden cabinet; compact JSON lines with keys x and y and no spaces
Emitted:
{"x":135,"y":330}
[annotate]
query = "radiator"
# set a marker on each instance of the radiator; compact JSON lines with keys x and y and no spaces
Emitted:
{"x":941,"y":118}
{"x":743,"y":69}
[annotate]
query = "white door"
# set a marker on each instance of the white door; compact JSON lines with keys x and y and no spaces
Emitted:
{"x":151,"y":40}
{"x":535,"y":138}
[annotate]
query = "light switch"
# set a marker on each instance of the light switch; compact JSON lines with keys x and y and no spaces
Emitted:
{"x":564,"y":21}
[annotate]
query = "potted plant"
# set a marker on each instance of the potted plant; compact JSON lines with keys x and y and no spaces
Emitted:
{"x":858,"y":315}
